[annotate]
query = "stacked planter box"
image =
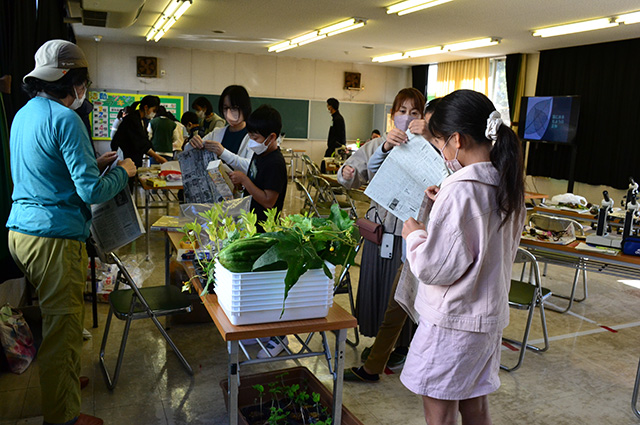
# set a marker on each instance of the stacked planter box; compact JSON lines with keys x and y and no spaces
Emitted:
{"x":257,"y":297}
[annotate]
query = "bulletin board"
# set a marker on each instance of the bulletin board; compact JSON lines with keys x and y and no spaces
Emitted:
{"x":294,"y":112}
{"x":106,"y":106}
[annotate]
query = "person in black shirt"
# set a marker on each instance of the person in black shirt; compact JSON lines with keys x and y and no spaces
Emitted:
{"x":266,"y":178}
{"x":132,"y":137}
{"x":337,"y":132}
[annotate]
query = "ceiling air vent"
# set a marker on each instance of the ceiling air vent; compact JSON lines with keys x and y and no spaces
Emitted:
{"x":94,"y":19}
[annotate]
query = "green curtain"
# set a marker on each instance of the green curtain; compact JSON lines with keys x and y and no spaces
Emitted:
{"x":8,"y":267}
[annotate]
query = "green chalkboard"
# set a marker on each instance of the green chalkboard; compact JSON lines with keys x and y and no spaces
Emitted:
{"x":294,"y":112}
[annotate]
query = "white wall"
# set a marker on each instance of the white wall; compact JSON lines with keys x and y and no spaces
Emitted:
{"x":113,"y":67}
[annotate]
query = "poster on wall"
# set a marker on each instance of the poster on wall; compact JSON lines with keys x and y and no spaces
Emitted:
{"x":106,"y":106}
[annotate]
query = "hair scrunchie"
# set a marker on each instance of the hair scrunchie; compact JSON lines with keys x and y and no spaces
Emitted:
{"x":493,"y":124}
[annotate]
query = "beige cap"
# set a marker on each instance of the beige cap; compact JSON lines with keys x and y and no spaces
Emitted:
{"x":54,"y":58}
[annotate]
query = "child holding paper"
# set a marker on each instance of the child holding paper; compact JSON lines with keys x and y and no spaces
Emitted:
{"x":463,"y":260}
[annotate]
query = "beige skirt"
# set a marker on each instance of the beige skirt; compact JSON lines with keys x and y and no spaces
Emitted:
{"x":449,"y":364}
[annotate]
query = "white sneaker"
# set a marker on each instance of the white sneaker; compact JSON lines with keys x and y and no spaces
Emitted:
{"x":274,"y":347}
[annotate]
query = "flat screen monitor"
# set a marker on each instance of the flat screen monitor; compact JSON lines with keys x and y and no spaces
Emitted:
{"x":549,"y":118}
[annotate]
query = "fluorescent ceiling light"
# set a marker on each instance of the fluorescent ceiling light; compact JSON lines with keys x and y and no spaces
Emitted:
{"x":473,"y":44}
{"x":280,"y":46}
{"x":387,"y":58}
{"x":423,"y":52}
{"x":297,"y":40}
{"x":283,"y":48}
{"x":410,"y":6}
{"x":489,"y":41}
{"x":352,"y":27}
{"x":594,"y":24}
{"x":174,"y":10}
{"x":629,"y":18}
{"x":340,"y":27}
{"x":311,"y":40}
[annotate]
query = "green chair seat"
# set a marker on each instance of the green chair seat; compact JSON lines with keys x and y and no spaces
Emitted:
{"x":161,"y":299}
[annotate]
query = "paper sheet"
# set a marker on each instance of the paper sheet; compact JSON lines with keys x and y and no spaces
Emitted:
{"x":195,"y":179}
{"x":115,"y":223}
{"x":405,"y":174}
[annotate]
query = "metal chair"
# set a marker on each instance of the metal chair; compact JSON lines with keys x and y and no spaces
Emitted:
{"x":634,"y":397}
{"x":140,"y":303}
{"x":561,"y":224}
{"x":326,"y":193}
{"x":527,"y":295}
{"x":344,"y":287}
{"x":322,"y":209}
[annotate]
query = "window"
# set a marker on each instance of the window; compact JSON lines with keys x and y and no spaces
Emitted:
{"x":498,"y":87}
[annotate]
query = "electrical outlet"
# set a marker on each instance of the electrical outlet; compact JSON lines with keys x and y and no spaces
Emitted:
{"x":163,"y":72}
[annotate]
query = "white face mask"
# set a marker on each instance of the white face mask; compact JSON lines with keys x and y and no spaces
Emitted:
{"x":150,"y":115}
{"x":200,"y":114}
{"x":258,"y":148}
{"x":77,"y":102}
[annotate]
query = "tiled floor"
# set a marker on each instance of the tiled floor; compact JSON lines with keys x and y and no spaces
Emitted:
{"x":586,"y":377}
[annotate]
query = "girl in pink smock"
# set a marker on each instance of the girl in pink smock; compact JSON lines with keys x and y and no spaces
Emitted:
{"x":463,"y":260}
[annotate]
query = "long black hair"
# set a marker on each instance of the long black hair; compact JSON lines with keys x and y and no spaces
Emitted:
{"x":59,"y":88}
{"x":466,"y":112}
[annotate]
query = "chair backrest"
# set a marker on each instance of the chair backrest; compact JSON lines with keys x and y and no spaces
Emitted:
{"x":307,"y":196}
{"x":324,"y":190}
{"x":525,"y":258}
{"x":555,"y":224}
{"x":124,"y":273}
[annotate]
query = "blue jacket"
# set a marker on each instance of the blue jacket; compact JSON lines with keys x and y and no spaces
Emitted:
{"x":55,"y":173}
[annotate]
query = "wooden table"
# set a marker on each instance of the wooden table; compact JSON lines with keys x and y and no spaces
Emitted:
{"x":338,"y":321}
{"x":149,"y":197}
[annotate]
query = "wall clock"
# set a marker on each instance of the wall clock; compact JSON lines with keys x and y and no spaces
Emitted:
{"x":147,"y":66}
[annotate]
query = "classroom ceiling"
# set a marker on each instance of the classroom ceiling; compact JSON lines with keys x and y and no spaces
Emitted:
{"x":250,"y":26}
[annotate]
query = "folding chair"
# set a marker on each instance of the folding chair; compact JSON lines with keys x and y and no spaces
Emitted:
{"x":140,"y":303}
{"x":527,"y":295}
{"x":344,"y":287}
{"x":634,"y":397}
{"x":559,"y":224}
{"x":325,"y":193}
{"x":320,"y":209}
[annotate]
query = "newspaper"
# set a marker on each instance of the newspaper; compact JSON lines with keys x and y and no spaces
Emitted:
{"x":405,"y":174}
{"x":407,"y":289}
{"x":195,"y":180}
{"x":115,"y":223}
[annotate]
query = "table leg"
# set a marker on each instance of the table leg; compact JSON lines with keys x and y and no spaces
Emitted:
{"x":233,"y":379}
{"x":341,"y":337}
{"x":167,"y":259}
{"x":147,"y":196}
{"x":634,"y":397}
{"x":94,"y":292}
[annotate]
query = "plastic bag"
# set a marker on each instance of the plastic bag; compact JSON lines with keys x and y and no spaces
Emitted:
{"x":232,"y":208}
{"x":16,"y":339}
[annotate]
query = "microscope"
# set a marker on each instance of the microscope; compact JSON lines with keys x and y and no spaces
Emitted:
{"x":632,"y":209}
{"x":602,"y":237}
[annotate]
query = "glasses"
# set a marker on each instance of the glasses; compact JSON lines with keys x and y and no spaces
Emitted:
{"x":233,"y":109}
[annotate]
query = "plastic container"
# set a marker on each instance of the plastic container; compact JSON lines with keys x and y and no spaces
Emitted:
{"x":257,"y":297}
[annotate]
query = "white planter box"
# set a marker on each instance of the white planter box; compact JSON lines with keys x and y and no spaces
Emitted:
{"x":257,"y":297}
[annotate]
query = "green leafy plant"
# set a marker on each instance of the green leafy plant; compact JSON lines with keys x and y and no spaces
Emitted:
{"x":298,"y":243}
{"x":221,"y":230}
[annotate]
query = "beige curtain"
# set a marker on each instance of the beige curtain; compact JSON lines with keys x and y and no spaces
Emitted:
{"x":472,"y":74}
